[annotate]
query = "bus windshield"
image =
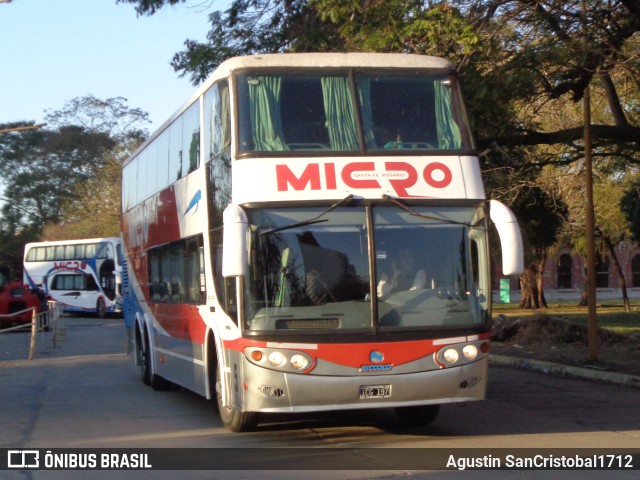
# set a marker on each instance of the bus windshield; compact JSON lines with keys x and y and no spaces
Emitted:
{"x":317,"y":276}
{"x":315,"y":112}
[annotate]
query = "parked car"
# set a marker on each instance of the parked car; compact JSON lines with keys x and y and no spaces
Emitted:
{"x":15,"y":297}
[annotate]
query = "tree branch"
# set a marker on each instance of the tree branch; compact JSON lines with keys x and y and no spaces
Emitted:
{"x":619,"y":133}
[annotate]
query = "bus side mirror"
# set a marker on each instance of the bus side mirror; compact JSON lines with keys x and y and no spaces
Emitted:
{"x":234,"y":242}
{"x":510,"y":238}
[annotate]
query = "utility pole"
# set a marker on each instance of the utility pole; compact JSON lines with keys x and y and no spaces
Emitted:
{"x":589,"y":214}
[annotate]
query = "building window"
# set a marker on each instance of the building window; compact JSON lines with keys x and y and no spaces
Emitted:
{"x":602,"y":272}
{"x":564,"y":270}
{"x":635,"y":271}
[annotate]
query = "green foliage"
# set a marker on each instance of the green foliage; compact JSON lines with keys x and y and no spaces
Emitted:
{"x":400,"y":26}
{"x":41,"y":169}
{"x":630,"y":206}
{"x":66,"y":175}
{"x":111,"y":117}
{"x":255,"y":26}
{"x":540,"y":217}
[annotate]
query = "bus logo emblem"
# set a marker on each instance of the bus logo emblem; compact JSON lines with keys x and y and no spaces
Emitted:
{"x":376,"y":357}
{"x":194,"y":203}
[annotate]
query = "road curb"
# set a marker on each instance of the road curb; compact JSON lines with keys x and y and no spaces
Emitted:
{"x":566,"y":370}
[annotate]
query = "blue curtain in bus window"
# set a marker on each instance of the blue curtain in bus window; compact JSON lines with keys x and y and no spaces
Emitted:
{"x":366,"y":111}
{"x":448,"y":131}
{"x":266,"y":120}
{"x":339,"y":112}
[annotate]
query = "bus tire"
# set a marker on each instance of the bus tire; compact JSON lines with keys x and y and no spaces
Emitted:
{"x":143,"y":358}
{"x":417,"y":416}
{"x":148,"y":376}
{"x":101,"y":309}
{"x":232,"y":418}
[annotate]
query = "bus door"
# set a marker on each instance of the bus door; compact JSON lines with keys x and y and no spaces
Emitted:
{"x":107,"y":277}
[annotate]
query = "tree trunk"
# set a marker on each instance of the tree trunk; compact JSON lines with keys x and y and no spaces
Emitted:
{"x":623,"y":282}
{"x":529,"y":287}
{"x":584,"y":298}
{"x":542,"y":301}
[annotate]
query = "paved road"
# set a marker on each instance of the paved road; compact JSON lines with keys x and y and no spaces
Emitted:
{"x":86,"y":393}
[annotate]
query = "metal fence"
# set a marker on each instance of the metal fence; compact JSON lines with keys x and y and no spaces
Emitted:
{"x":50,"y":320}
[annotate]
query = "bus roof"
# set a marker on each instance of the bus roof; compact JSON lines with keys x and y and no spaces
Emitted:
{"x":73,"y":242}
{"x":328,"y":60}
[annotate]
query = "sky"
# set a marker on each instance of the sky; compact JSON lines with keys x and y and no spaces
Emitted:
{"x":57,"y":50}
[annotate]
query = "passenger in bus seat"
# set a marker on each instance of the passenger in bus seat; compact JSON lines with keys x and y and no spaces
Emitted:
{"x":322,"y":283}
{"x":404,"y":275}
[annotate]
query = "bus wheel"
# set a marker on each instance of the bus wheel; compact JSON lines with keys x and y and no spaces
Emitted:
{"x":101,"y":309}
{"x":148,"y":377}
{"x":416,"y":416}
{"x":233,"y":419}
{"x":144,"y":361}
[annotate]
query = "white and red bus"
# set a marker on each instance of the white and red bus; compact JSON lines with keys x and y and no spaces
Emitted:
{"x":309,"y":232}
{"x":84,"y":276}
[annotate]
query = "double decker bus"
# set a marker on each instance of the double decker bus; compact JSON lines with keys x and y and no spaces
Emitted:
{"x":309,"y":232}
{"x":82,"y":275}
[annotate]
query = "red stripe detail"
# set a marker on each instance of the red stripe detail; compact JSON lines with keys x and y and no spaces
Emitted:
{"x":357,"y":354}
{"x":180,"y":321}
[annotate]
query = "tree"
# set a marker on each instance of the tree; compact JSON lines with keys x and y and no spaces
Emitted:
{"x":630,"y":206}
{"x":41,"y":169}
{"x":111,"y":116}
{"x":541,"y":218}
{"x":48,"y":173}
{"x":96,"y":213}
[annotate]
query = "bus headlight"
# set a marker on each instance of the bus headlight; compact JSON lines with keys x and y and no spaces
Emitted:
{"x":450,"y":355}
{"x":470,"y":352}
{"x":277,"y":359}
{"x":461,"y":353}
{"x":285,"y":360}
{"x":299,"y":362}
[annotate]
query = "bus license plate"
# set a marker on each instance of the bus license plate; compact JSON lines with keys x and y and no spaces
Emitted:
{"x":375,"y":391}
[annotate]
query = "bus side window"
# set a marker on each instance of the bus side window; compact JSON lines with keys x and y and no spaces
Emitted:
{"x":231,"y":306}
{"x":191,"y":139}
{"x":175,"y":150}
{"x":216,"y":256}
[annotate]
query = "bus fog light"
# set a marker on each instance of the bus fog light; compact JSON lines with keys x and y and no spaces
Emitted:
{"x":299,"y":362}
{"x":450,"y":355}
{"x":470,"y":352}
{"x":277,"y":359}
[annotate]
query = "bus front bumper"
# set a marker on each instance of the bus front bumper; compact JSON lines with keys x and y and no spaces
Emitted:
{"x":271,"y":391}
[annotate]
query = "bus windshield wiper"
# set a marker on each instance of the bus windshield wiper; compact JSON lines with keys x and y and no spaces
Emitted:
{"x":310,"y":221}
{"x":415,"y":213}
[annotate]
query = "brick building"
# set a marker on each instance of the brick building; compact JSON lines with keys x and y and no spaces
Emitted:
{"x":565,"y":271}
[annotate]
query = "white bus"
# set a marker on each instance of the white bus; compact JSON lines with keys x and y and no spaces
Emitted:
{"x":309,"y":232}
{"x":82,"y":275}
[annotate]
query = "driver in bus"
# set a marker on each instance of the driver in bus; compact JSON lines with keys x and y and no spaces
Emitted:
{"x":403,"y":275}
